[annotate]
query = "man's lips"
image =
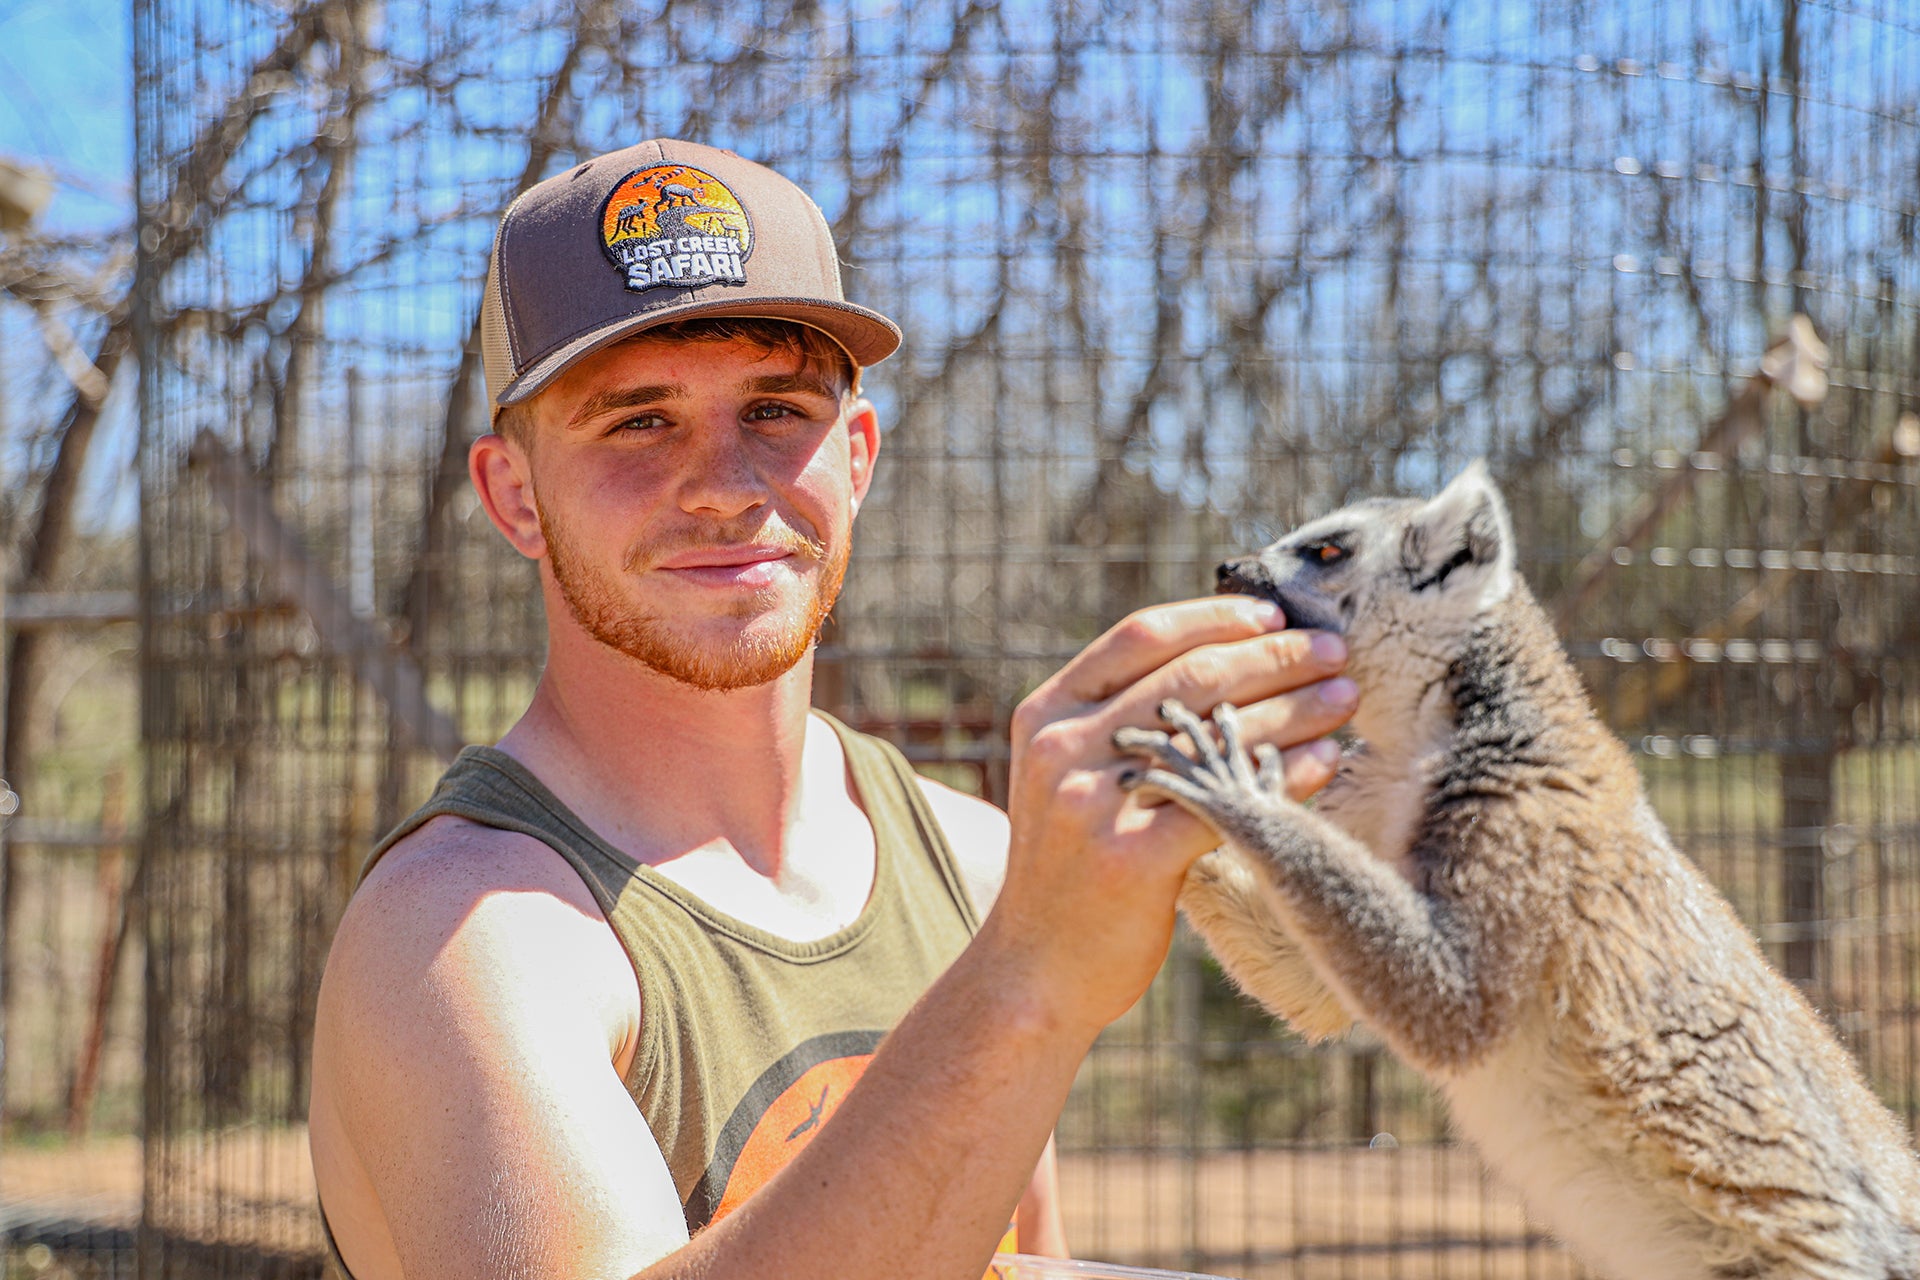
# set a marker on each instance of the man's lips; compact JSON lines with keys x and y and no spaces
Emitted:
{"x":724,"y":557}
{"x":755,"y":565}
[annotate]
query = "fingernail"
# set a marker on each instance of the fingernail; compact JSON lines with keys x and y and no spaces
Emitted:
{"x":1329,"y":648}
{"x":1325,"y":750}
{"x":1340,"y":694}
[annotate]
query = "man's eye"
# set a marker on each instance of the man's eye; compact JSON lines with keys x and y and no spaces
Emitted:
{"x":639,"y":422}
{"x":771,"y":412}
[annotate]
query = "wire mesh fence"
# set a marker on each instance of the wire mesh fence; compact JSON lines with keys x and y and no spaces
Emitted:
{"x":1173,"y":276}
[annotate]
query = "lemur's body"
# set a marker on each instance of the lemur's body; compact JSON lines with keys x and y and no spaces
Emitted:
{"x":1486,"y":885}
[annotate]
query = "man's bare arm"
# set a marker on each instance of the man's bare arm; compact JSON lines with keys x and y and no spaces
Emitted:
{"x":928,"y":1155}
{"x":469,"y":1117}
{"x":979,"y":834}
{"x":476,"y":1084}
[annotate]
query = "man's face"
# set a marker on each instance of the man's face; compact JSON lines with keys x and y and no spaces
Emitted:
{"x":697,"y":500}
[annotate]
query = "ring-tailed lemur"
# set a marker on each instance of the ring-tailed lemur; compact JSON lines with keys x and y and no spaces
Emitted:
{"x":1487,"y":886}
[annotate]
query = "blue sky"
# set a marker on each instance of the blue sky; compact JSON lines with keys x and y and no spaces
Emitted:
{"x":68,"y":107}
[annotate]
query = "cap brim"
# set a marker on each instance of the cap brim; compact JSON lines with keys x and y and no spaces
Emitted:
{"x":868,"y":336}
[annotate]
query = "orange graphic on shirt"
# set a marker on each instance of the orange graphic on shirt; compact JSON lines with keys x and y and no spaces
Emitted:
{"x":792,"y":1120}
{"x":787,"y":1126}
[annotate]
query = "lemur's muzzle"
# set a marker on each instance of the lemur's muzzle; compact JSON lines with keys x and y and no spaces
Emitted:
{"x":1249,"y":576}
{"x":1244,"y":577}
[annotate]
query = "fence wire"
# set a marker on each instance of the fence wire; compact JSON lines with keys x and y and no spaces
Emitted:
{"x":1174,"y":275}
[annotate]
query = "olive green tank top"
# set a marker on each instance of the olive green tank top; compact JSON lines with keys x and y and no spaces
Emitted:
{"x":748,"y":1042}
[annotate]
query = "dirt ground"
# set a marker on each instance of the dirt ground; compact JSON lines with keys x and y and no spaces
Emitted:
{"x":1416,"y":1212}
{"x":1422,"y":1213}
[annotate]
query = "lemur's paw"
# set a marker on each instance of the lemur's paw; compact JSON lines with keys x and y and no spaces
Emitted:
{"x":1210,"y":775}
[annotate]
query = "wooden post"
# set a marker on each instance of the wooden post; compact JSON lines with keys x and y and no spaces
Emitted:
{"x":386,"y":668}
{"x":117,"y":909}
{"x":9,"y":805}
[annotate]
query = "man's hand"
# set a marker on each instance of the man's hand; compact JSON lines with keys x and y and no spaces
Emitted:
{"x":1088,"y":909}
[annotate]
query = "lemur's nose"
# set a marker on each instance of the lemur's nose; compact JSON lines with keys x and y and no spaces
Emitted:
{"x":1243,"y":577}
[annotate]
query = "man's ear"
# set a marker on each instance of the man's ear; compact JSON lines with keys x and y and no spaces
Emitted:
{"x":504,"y":480}
{"x":1463,"y":527}
{"x":863,"y":445}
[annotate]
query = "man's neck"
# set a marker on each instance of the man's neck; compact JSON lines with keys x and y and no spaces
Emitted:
{"x":659,"y":767}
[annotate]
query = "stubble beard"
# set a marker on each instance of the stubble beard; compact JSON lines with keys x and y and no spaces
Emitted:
{"x":755,"y":655}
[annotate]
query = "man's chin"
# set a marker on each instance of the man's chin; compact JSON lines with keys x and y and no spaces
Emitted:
{"x":729,"y":673}
{"x":712,"y":663}
{"x":752,"y":639}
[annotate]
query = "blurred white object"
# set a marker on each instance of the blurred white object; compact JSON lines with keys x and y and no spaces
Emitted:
{"x":1798,"y":363}
{"x":24,"y":192}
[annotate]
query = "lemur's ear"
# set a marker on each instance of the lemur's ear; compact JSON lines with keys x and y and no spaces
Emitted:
{"x":1464,"y":528}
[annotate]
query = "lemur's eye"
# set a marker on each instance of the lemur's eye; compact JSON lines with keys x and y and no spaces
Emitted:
{"x":1324,"y":552}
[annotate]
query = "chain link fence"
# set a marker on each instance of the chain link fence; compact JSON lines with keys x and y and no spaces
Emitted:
{"x":1174,"y":275}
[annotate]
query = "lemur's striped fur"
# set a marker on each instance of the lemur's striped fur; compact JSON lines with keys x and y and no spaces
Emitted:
{"x":1485,"y":885}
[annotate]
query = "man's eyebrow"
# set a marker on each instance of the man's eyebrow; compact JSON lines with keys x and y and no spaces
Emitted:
{"x":779,"y":383}
{"x":612,"y":398}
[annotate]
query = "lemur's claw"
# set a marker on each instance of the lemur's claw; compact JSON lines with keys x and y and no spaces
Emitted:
{"x":1272,"y":771}
{"x":1211,"y":766}
{"x":1147,"y":742}
{"x":1178,"y":715}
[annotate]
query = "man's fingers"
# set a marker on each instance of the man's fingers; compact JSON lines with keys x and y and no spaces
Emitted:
{"x":1280,"y":683}
{"x":1148,"y":640}
{"x":1153,"y":820}
{"x":1303,"y":770}
{"x":1304,"y":712}
{"x":1295,"y":718}
{"x":1309,"y":768}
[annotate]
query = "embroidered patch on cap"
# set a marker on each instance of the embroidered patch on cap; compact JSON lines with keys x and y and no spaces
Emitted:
{"x":672,"y":224}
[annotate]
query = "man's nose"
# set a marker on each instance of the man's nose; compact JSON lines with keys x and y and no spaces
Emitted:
{"x":723,"y":479}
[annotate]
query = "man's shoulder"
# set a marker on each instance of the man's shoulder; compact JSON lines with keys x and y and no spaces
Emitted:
{"x":449,"y":856}
{"x":473,"y":989}
{"x":458,"y":901}
{"x":978,"y":834}
{"x":492,"y":925}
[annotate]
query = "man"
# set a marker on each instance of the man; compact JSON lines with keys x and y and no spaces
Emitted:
{"x":591,"y":1011}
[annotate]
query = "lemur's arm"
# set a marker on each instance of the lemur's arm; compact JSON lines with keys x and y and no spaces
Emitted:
{"x":1419,"y":970}
{"x":1223,"y":901}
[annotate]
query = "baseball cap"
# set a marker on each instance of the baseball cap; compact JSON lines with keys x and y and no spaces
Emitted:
{"x":649,"y":235}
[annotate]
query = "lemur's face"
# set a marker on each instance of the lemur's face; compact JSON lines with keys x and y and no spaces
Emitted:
{"x":1322,"y":573}
{"x":1398,"y":578}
